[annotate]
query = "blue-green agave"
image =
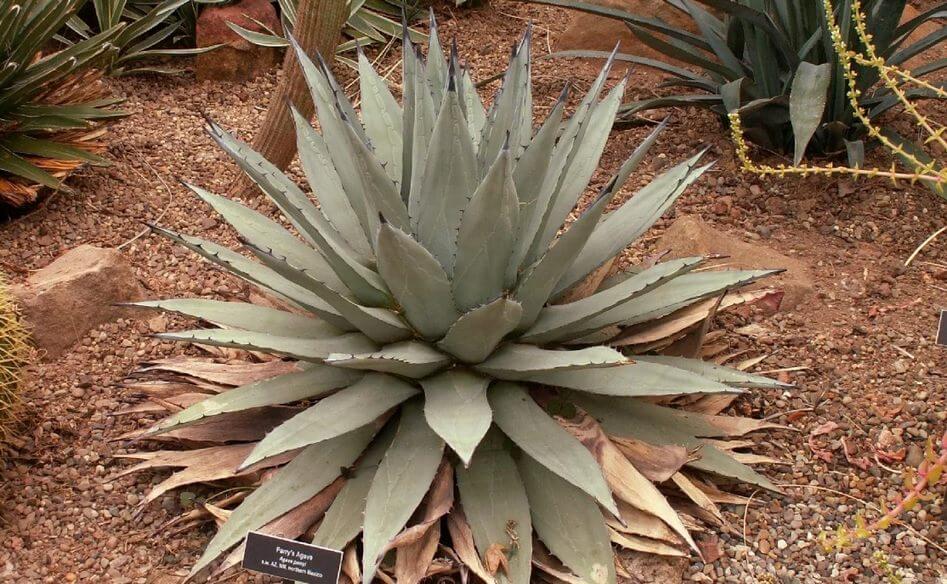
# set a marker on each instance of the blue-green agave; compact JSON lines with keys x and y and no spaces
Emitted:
{"x":437,"y":337}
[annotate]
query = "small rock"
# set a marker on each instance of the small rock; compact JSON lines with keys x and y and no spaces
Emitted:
{"x":915,"y":456}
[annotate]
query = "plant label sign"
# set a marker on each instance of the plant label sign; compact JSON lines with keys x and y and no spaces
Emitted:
{"x":942,"y":329}
{"x":292,"y":560}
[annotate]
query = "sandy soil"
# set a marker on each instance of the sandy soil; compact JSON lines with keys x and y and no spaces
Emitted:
{"x":863,"y":343}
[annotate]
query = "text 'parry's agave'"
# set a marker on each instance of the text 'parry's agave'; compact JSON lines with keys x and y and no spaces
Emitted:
{"x":447,"y":345}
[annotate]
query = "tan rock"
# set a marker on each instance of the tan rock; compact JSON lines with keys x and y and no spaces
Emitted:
{"x":689,"y":236}
{"x":597,"y":33}
{"x":75,"y":293}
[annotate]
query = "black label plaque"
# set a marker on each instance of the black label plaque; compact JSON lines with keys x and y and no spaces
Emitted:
{"x":293,"y":560}
{"x":942,"y":329}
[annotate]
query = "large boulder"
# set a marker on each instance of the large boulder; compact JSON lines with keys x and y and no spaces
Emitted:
{"x":598,"y":33}
{"x":75,"y":293}
{"x":237,"y":60}
{"x":689,"y":236}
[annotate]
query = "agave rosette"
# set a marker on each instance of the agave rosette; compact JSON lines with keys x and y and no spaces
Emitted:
{"x":445,"y":336}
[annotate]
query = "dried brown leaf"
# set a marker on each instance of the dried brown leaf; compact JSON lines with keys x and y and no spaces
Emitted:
{"x":637,"y":522}
{"x":230,"y":373}
{"x":623,"y":478}
{"x":657,"y":462}
{"x":643,"y":544}
{"x":677,"y":322}
{"x":495,"y":560}
{"x":463,"y":544}
{"x":695,"y":494}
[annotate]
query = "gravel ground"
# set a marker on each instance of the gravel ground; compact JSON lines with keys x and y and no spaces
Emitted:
{"x":864,"y":342}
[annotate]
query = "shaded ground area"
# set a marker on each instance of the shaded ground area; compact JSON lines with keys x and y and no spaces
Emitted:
{"x":861,"y":347}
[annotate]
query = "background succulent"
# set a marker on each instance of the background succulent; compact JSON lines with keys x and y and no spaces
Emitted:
{"x":753,"y":54}
{"x":52,"y":103}
{"x":441,"y":334}
{"x":369,"y":22}
{"x":147,"y":29}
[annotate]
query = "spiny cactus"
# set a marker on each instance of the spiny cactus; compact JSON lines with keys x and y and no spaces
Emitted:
{"x":441,"y":341}
{"x":14,"y":355}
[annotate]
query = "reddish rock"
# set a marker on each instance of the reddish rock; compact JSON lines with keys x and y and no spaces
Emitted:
{"x":689,"y":236}
{"x":75,"y":293}
{"x":237,"y":59}
{"x":597,"y":33}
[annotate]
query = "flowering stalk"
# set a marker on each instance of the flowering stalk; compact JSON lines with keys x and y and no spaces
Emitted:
{"x":917,"y":486}
{"x":893,"y":78}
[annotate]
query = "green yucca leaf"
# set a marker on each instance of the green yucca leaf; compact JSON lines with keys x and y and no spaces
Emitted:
{"x":494,"y":500}
{"x":45,"y":112}
{"x":403,"y":477}
{"x":443,"y":301}
{"x":343,"y":520}
{"x":311,"y":471}
{"x":412,"y":359}
{"x":477,"y":333}
{"x":249,"y":317}
{"x":568,"y":521}
{"x":353,"y":407}
{"x":542,"y":439}
{"x":807,"y":103}
{"x":313,"y":382}
{"x":417,"y":281}
{"x":456,"y":407}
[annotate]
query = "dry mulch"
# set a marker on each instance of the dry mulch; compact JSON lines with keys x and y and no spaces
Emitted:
{"x":864,"y":341}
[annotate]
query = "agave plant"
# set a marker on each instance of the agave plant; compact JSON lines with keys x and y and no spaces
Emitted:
{"x":51,"y":103}
{"x":439,"y":328}
{"x":756,"y":53}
